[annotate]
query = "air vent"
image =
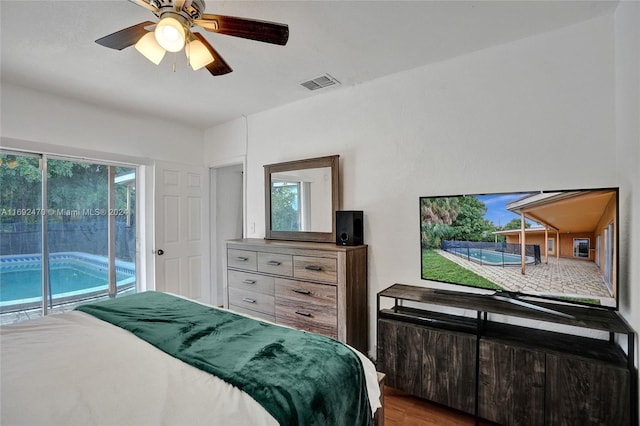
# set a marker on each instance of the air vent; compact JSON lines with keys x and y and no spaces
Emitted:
{"x":320,"y":82}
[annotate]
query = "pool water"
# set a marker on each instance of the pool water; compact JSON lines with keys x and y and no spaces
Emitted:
{"x":25,"y":284}
{"x":71,"y":275}
{"x":491,"y":257}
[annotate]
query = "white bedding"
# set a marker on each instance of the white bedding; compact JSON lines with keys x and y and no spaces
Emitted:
{"x":74,"y":369}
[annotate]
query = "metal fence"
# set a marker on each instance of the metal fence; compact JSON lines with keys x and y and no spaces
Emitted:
{"x":495,"y":254}
{"x":88,"y":237}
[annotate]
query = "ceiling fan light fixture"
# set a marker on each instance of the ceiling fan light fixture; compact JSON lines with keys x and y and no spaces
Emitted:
{"x":150,"y":49}
{"x":173,"y":33}
{"x":198,"y":54}
{"x":170,"y":34}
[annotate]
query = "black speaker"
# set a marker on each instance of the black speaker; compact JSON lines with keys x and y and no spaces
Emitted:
{"x":349,"y":228}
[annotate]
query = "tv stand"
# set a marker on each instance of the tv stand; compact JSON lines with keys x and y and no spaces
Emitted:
{"x":509,"y":374}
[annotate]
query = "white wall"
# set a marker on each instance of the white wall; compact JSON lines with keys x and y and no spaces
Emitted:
{"x":627,"y":62}
{"x":538,"y":113}
{"x":35,"y":116}
{"x":234,"y":134}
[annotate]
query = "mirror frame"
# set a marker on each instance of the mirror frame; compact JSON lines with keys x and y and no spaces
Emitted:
{"x":331,"y":161}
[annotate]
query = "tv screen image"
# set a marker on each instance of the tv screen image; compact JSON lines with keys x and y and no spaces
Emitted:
{"x":558,"y":245}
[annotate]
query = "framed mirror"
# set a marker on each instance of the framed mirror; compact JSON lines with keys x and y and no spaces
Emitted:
{"x":301,"y":199}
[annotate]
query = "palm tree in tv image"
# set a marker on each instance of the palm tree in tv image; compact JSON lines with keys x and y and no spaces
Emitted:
{"x":460,"y":219}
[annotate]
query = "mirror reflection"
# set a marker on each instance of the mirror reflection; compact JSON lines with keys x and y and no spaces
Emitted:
{"x":301,"y":200}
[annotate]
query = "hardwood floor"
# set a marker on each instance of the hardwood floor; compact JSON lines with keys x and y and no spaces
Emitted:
{"x":401,"y":409}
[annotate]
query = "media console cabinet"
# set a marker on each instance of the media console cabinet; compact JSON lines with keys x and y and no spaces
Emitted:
{"x":505,"y":373}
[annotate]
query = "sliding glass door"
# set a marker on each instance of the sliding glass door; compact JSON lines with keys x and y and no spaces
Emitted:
{"x":21,"y":218}
{"x":71,"y":233}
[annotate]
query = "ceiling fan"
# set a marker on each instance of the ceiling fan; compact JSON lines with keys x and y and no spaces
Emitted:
{"x":173,"y":32}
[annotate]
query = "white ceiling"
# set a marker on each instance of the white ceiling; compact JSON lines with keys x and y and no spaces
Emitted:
{"x":49,"y":46}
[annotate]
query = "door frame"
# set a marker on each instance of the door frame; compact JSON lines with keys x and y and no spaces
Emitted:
{"x":213,"y":243}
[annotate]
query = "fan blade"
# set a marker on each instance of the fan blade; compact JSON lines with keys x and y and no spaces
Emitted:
{"x":125,"y":38}
{"x":268,"y":32}
{"x":145,"y":4}
{"x":218,"y":66}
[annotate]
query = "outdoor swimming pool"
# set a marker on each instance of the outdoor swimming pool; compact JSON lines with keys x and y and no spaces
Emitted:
{"x":489,"y":257}
{"x":73,"y":275}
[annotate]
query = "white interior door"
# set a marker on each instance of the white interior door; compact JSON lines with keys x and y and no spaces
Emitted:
{"x":182,"y":230}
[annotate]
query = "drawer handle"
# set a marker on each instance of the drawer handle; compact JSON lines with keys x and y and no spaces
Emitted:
{"x":301,"y":291}
{"x":304,"y":314}
{"x":274,"y":263}
{"x":241,"y":258}
{"x":248,"y":281}
{"x":315,"y":268}
{"x":248,"y":300}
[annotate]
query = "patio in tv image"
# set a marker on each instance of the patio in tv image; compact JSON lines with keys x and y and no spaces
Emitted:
{"x":569,"y":241}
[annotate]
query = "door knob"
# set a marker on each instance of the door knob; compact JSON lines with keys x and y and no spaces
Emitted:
{"x":159,"y":252}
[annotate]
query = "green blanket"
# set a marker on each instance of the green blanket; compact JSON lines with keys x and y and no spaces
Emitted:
{"x":300,"y":378}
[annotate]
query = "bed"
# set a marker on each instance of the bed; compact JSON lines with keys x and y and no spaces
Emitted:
{"x":153,"y":358}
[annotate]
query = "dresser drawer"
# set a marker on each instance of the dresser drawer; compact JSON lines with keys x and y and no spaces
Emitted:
{"x":307,"y":306}
{"x":251,"y":282}
{"x":305,"y":292}
{"x":311,"y":317}
{"x":315,"y":268}
{"x":251,"y":300}
{"x":242,"y":259}
{"x":273,"y":263}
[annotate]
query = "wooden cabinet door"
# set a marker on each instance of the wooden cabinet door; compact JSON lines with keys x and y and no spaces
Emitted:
{"x":581,"y":392}
{"x":511,"y":384}
{"x":449,"y":368}
{"x":400,"y":355}
{"x":434,"y":364}
{"x":386,"y":351}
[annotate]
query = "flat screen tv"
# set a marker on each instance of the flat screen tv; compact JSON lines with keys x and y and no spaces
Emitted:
{"x":554,"y":245}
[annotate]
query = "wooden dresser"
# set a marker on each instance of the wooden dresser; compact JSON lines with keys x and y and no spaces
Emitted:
{"x":319,"y":287}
